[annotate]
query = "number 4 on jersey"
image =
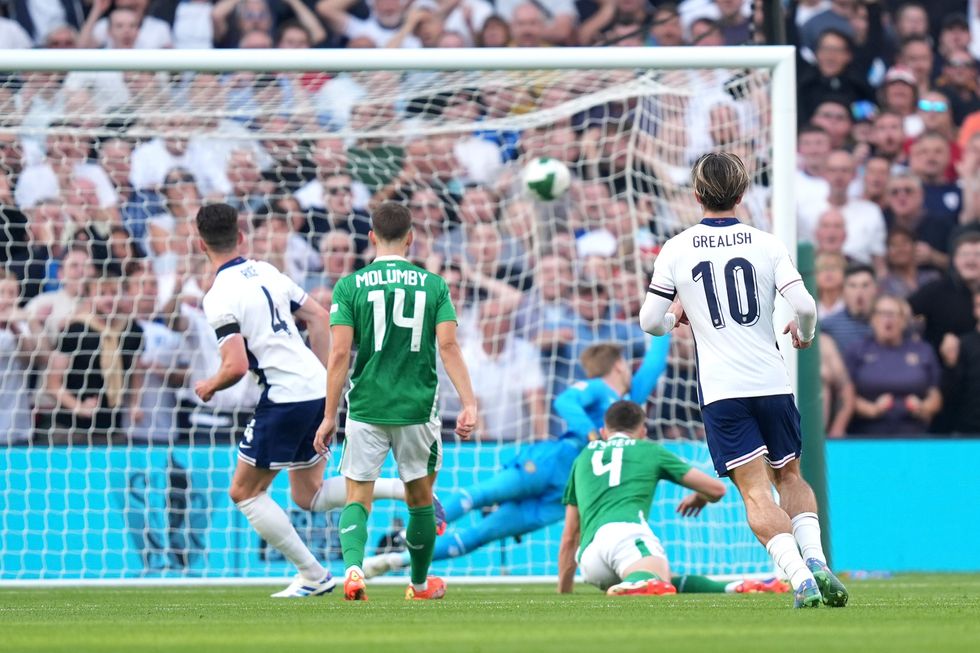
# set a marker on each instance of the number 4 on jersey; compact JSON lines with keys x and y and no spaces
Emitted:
{"x":614,"y":467}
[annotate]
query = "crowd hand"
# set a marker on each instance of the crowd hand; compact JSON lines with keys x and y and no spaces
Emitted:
{"x":324,"y":435}
{"x":86,"y":408}
{"x":794,"y":332}
{"x":466,"y":422}
{"x":914,"y":405}
{"x":949,"y":349}
{"x":884,"y":403}
{"x":136,"y":415}
{"x":100,"y":7}
{"x":691,"y":505}
{"x":924,"y":253}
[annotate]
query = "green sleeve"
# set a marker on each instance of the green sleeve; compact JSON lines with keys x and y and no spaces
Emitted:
{"x":445,"y":311}
{"x":672,"y":468}
{"x":569,"y":498}
{"x":341,"y":310}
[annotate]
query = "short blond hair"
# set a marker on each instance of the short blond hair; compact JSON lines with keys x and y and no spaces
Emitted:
{"x":599,"y":360}
{"x":719,"y":180}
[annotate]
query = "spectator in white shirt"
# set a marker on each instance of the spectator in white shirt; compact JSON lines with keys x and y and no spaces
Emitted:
{"x":560,"y":16}
{"x":13,"y":36}
{"x":380,"y":26}
{"x":127,"y":26}
{"x":67,"y":154}
{"x":866,"y":229}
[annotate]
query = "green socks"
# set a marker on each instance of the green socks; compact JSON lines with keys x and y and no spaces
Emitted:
{"x":698,"y":585}
{"x":353,"y":534}
{"x":420,"y":538}
{"x":637,"y":576}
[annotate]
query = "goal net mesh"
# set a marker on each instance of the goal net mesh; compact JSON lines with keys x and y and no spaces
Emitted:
{"x":110,"y":466}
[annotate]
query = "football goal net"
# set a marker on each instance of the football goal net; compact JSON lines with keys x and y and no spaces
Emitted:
{"x":112,"y":469}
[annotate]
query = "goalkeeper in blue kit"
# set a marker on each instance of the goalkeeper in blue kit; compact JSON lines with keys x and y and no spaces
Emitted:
{"x":528,"y":490}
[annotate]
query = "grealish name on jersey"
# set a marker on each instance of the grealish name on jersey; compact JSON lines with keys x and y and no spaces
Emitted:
{"x":723,"y":240}
{"x":389,"y":276}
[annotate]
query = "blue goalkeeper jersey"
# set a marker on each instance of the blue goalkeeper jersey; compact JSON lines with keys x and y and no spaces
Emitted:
{"x":583,"y":405}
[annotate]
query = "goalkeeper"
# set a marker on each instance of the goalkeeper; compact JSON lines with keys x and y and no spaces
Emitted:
{"x":609,"y":491}
{"x":528,"y":490}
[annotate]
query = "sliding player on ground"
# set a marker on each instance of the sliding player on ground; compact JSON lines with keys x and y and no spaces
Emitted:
{"x":723,"y":276}
{"x":528,"y":490}
{"x":394,"y":313}
{"x":607,"y":497}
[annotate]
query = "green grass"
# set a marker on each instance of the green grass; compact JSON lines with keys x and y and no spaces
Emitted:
{"x":908,"y":613}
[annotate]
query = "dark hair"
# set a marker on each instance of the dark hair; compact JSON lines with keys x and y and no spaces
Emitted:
{"x":903,"y":232}
{"x":624,"y":416}
{"x":968,"y":238}
{"x":217,"y":224}
{"x":810,"y":128}
{"x":830,"y":31}
{"x":859,"y":268}
{"x":391,"y":222}
{"x":292,"y":24}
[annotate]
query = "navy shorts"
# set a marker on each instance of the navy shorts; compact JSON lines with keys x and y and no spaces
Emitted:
{"x":280,"y":436}
{"x":743,"y":429}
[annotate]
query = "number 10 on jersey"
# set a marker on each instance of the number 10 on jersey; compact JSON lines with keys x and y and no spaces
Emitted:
{"x":398,"y":317}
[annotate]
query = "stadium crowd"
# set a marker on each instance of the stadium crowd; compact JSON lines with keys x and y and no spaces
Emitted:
{"x":101,"y":174}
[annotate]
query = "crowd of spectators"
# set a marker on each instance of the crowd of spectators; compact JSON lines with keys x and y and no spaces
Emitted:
{"x":101,"y":174}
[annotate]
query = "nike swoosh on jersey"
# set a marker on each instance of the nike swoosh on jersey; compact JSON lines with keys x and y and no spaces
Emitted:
{"x":348,"y":529}
{"x":413,"y":547}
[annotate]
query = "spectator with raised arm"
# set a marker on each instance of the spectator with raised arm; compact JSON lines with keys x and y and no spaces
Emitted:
{"x":124,"y":24}
{"x":560,"y":18}
{"x":381,"y":25}
{"x":896,"y":376}
{"x":610,"y":13}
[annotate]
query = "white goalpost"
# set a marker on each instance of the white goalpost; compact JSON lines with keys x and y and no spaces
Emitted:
{"x":112,"y":472}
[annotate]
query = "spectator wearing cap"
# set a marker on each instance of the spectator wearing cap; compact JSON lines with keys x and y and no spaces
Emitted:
{"x":958,"y":82}
{"x":124,"y":26}
{"x":899,"y":93}
{"x":831,"y":76}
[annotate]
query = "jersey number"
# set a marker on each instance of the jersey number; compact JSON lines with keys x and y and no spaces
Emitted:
{"x":614,"y":467}
{"x":413,"y":322}
{"x":278,"y":324}
{"x":743,"y":298}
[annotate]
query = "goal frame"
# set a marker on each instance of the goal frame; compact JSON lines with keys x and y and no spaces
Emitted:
{"x":779,"y":60}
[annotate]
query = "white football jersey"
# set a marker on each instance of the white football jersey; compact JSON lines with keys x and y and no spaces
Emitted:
{"x":726,"y":275}
{"x":255,"y":299}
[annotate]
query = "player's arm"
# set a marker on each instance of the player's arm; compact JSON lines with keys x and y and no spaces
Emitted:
{"x":234,"y":364}
{"x":654,"y":364}
{"x":706,"y":490}
{"x":660,"y":312}
{"x":790,"y":286}
{"x":316,"y":319}
{"x":452,"y":360}
{"x":566,"y":552}
{"x":571,"y":405}
{"x":338,"y":362}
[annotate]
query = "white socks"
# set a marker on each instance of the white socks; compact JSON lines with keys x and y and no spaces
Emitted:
{"x":782,"y":549}
{"x":271,"y":522}
{"x":333,"y":492}
{"x":806,"y":530}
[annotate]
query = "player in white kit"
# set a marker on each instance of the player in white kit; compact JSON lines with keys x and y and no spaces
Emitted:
{"x":722,"y":276}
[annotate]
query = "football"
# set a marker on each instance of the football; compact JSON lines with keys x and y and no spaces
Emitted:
{"x":546,"y":179}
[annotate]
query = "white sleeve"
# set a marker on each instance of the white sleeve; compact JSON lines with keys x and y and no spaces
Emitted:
{"x":804,"y":307}
{"x":784,"y":272}
{"x":296,"y":294}
{"x":222,"y":315}
{"x":562,"y":8}
{"x":654,"y":318}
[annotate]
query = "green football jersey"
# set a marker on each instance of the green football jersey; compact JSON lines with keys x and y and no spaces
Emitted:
{"x":613,"y":481}
{"x":394,"y":308}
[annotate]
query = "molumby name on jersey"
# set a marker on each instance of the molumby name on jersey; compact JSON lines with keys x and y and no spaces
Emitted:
{"x":384,"y":277}
{"x":724,"y":240}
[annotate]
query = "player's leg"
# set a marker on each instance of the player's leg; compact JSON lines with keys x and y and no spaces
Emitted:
{"x":779,"y":421}
{"x":365,"y":449}
{"x":695,"y":584}
{"x":773,"y":528}
{"x":278,"y":436}
{"x":418,"y":453}
{"x":249,"y":492}
{"x":638,"y":558}
{"x":323,"y":494}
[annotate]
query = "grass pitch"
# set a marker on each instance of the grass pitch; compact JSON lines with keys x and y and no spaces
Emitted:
{"x":908,"y":613}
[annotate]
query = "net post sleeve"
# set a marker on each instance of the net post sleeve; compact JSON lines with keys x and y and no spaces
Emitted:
{"x":813,"y":464}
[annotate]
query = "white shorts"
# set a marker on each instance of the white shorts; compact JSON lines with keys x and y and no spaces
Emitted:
{"x":614,"y":549}
{"x":417,"y":449}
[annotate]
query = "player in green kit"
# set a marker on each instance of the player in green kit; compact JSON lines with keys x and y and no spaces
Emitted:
{"x":393,"y":313}
{"x":608,"y":494}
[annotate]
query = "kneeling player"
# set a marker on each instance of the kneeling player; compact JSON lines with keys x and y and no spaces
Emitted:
{"x":609,"y":491}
